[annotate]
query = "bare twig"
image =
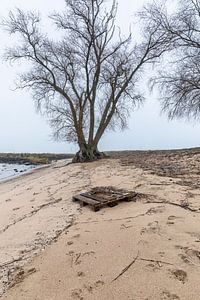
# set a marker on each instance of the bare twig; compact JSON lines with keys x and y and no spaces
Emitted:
{"x":155,"y":260}
{"x":186,"y":207}
{"x":126,"y":268}
{"x":77,"y":258}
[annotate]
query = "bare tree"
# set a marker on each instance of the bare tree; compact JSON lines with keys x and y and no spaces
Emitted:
{"x":87,"y":81}
{"x":180,"y":81}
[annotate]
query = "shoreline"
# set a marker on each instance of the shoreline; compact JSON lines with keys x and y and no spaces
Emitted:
{"x":24,"y":173}
{"x":37,"y":168}
{"x":147,"y":249}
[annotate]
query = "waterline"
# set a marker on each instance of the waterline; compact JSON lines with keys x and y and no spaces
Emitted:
{"x":9,"y":171}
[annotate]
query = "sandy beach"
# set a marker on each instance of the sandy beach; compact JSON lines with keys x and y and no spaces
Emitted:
{"x":53,"y":249}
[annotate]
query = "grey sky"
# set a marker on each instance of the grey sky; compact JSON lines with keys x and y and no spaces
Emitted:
{"x":22,"y":130}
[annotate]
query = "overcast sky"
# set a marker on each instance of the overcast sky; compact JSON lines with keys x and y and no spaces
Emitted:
{"x":22,"y":130}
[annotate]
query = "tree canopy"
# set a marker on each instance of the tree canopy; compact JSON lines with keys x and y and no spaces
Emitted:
{"x":85,"y":81}
{"x":179,"y":82}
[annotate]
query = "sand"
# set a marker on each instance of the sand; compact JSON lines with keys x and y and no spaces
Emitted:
{"x":51,"y":249}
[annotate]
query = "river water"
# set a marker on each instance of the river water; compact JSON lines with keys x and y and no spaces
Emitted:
{"x":9,"y":171}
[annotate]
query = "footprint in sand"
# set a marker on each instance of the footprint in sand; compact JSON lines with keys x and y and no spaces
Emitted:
{"x":29,"y":189}
{"x":179,"y":275}
{"x":184,"y":258}
{"x":76,"y":257}
{"x":81,"y":274}
{"x":143,"y":243}
{"x":8,"y":200}
{"x":94,"y":286}
{"x":193,"y":256}
{"x":76,"y":236}
{"x":196,"y":235}
{"x":70,"y":243}
{"x":170,"y":223}
{"x":20,"y":276}
{"x":16,"y":208}
{"x":77,"y":294}
{"x":35,"y":194}
{"x":161,"y":253}
{"x":166,"y":295}
{"x":189,"y":256}
{"x":88,"y":253}
{"x":123,"y":226}
{"x":153,"y":267}
{"x":156,"y":210}
{"x":152,"y":228}
{"x":172,"y":218}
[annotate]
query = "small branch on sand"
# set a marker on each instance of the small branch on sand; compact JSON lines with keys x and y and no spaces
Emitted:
{"x":161,"y":184}
{"x":159,"y":262}
{"x":182,"y":205}
{"x":126,"y":268}
{"x":77,"y":258}
{"x":156,"y":261}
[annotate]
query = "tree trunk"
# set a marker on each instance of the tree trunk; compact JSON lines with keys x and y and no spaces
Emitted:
{"x":87,"y":153}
